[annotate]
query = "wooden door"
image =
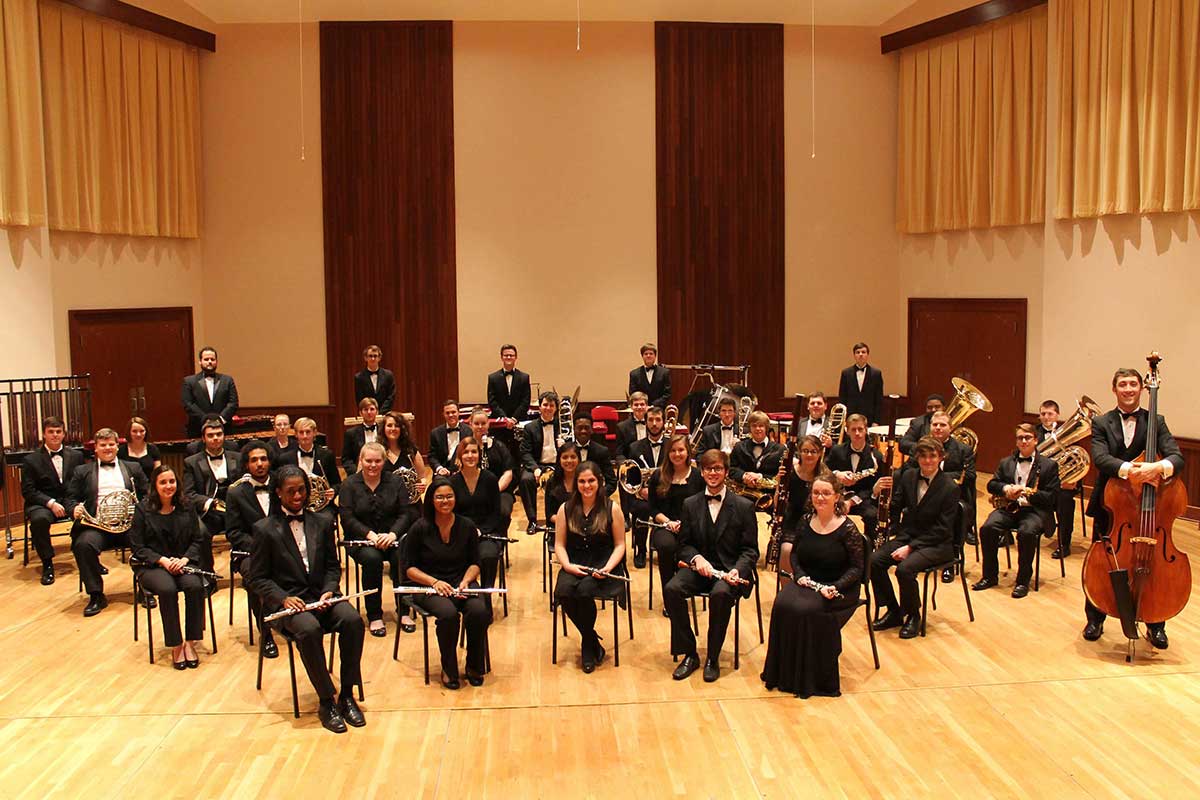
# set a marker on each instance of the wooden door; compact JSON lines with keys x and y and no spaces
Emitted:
{"x":981,"y":340}
{"x":137,"y":358}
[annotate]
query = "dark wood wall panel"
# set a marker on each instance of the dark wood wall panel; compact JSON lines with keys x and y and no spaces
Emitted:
{"x":387,"y":141}
{"x":719,"y":113}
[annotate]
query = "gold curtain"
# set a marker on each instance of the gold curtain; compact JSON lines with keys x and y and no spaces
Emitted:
{"x":22,"y":198}
{"x":121,"y":114}
{"x":1129,"y":108}
{"x":972,"y":128}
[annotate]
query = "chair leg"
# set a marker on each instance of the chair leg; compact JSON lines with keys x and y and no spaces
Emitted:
{"x":332,"y":646}
{"x":149,"y":629}
{"x":1007,"y":555}
{"x":135,"y":607}
{"x":650,"y":596}
{"x":261,"y":644}
{"x":967,"y":595}
{"x":396,"y":643}
{"x":249,"y":622}
{"x":758,"y":610}
{"x":737,"y":631}
{"x":925,"y":601}
{"x":629,"y":609}
{"x":616,"y":635}
{"x":695,"y":621}
{"x":871,"y":632}
{"x":212,"y":626}
{"x":1037,"y":565}
{"x":425,"y":636}
{"x":504,"y":583}
{"x":232,"y":581}
{"x":553,"y":633}
{"x":292,"y":669}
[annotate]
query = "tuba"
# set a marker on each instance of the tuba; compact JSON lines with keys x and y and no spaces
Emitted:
{"x":1073,"y":461}
{"x":967,"y":400}
{"x":317,"y":487}
{"x":114,"y":512}
{"x":835,"y":424}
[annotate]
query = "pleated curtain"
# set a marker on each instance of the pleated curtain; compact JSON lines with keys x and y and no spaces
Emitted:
{"x":22,"y":199}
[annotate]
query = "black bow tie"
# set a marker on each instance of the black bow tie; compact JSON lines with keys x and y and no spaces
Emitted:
{"x":295,"y":518}
{"x":216,"y":458}
{"x":108,"y":465}
{"x":309,"y":454}
{"x":57,"y":454}
{"x":369,"y":372}
{"x":713,"y":498}
{"x":860,"y":369}
{"x":263,"y":488}
{"x":1127,"y":415}
{"x":1024,"y":459}
{"x":507,"y":374}
{"x":726,"y":427}
{"x":371,"y":428}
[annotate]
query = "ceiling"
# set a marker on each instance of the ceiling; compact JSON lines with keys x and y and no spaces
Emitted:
{"x":870,"y":13}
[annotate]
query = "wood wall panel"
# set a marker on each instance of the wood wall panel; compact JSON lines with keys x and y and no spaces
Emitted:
{"x":719,"y":130}
{"x":387,"y":145}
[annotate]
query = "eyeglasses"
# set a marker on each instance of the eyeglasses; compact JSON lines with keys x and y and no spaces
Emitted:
{"x":439,"y":498}
{"x":714,"y":468}
{"x":822,"y":494}
{"x":810,"y":452}
{"x":1025,"y":438}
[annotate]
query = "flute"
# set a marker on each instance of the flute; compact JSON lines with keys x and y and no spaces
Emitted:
{"x":363,"y":543}
{"x":809,"y":583}
{"x":457,"y":592}
{"x":495,"y":538}
{"x":239,"y":553}
{"x":319,"y":604}
{"x":719,"y":574}
{"x":593,"y":571}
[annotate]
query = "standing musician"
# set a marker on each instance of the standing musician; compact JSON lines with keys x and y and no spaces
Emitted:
{"x":815,"y":424}
{"x":208,"y":392}
{"x":562,"y":484}
{"x":508,"y":391}
{"x":373,"y":504}
{"x":313,"y":458}
{"x":283,"y":441}
{"x":89,"y":484}
{"x":375,"y":381}
{"x":860,"y":387}
{"x":356,"y":437}
{"x":444,"y":439}
{"x":497,"y":459}
{"x":442,"y":551}
{"x":652,"y":378}
{"x":632,"y":429}
{"x":166,"y":537}
{"x":295,"y":562}
{"x":589,"y":531}
{"x":675,"y":482}
{"x":722,"y":435}
{"x":597,"y":453}
{"x":207,"y":477}
{"x":857,"y":456}
{"x":756,"y":458}
{"x":246,"y":504}
{"x":137,"y":448}
{"x":539,"y":450}
{"x":718,"y":531}
{"x":924,"y":506}
{"x":1064,"y":506}
{"x":45,"y":476}
{"x":1030,"y":483}
{"x":649,"y":453}
{"x":920,"y":425}
{"x":1118,"y":438}
{"x":800,"y":479}
{"x":477,"y":499}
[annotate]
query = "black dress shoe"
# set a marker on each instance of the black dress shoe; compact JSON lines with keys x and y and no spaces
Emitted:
{"x":350,"y":711}
{"x":47,"y":574}
{"x":450,"y":683}
{"x":97,"y":603}
{"x":269,"y":648}
{"x":1060,"y":553}
{"x":972,"y":538}
{"x":531,"y":528}
{"x":712,"y":670}
{"x":381,"y":631}
{"x":892,"y":619}
{"x":639,"y":560}
{"x":983,"y":583}
{"x":192,"y":663}
{"x":180,"y":665}
{"x":103,"y":570}
{"x":474,"y":679}
{"x":665,"y":614}
{"x":1093,"y":631}
{"x":146,"y":600}
{"x":330,"y":717}
{"x":948,"y":576}
{"x":911,"y":628}
{"x":686,"y":667}
{"x":1020,"y":590}
{"x":1157,"y":637}
{"x":589,"y":660}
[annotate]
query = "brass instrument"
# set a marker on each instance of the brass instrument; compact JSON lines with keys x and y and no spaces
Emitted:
{"x":545,"y":478}
{"x":967,"y":400}
{"x":484,"y":444}
{"x":670,"y":419}
{"x":712,"y":410}
{"x":632,"y":476}
{"x":762,"y":495}
{"x":1073,"y":461}
{"x":566,"y":418}
{"x":745,"y":409}
{"x":114,"y":512}
{"x":883,"y":501}
{"x":1013,"y":506}
{"x":317,"y":487}
{"x":218,"y":504}
{"x":411,"y":481}
{"x":835,"y":424}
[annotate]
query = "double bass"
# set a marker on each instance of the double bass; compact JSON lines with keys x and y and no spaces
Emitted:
{"x":1135,"y":572}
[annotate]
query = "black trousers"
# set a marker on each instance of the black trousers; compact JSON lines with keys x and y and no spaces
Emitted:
{"x":1100,"y":526}
{"x":309,"y":629}
{"x":475,"y":617}
{"x":506,"y":506}
{"x":166,"y":587}
{"x":906,"y":574}
{"x":635,"y":510}
{"x":254,"y":601}
{"x":529,"y":488}
{"x":1064,"y":513}
{"x":86,"y":545}
{"x":577,"y":595}
{"x":370,"y":561}
{"x":40,"y":520}
{"x":489,"y":561}
{"x":721,"y":600}
{"x":1028,"y":523}
{"x":666,"y":545}
{"x":211,"y":524}
{"x":868,"y":510}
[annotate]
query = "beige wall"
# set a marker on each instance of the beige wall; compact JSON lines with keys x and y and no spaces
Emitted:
{"x":27,"y":347}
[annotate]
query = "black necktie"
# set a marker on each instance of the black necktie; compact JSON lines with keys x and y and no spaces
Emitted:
{"x":714,"y":498}
{"x":108,"y":465}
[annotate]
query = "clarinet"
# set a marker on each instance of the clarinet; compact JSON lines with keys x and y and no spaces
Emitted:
{"x":809,"y":583}
{"x":363,"y":543}
{"x":188,"y":569}
{"x":593,"y":571}
{"x":319,"y":604}
{"x":719,"y":574}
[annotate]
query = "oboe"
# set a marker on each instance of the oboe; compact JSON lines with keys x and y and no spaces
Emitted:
{"x":718,"y":573}
{"x":363,"y":543}
{"x":809,"y":583}
{"x":319,"y":604}
{"x":188,"y":569}
{"x":649,"y":523}
{"x":594,"y":571}
{"x":457,"y":592}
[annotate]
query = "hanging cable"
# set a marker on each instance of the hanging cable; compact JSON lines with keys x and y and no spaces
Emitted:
{"x":300,"y":39}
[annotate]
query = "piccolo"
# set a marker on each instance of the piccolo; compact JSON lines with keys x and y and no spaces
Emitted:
{"x":720,"y":574}
{"x":594,"y":571}
{"x":809,"y":583}
{"x":289,"y":612}
{"x":495,"y":538}
{"x":363,"y":543}
{"x":456,"y":593}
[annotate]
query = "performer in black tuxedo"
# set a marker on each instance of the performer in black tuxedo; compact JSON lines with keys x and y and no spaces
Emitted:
{"x":722,"y":435}
{"x":958,"y":462}
{"x":207,"y":477}
{"x":208,"y":392}
{"x":919,"y":426}
{"x":283,"y":441}
{"x":496,"y":458}
{"x":246,"y":503}
{"x":1015,"y":474}
{"x":356,"y":437}
{"x":594,"y":451}
{"x":539,"y":450}
{"x":1064,"y":505}
{"x":1119,"y":437}
{"x":924,"y":509}
{"x":89,"y":484}
{"x":718,"y":531}
{"x":652,"y":378}
{"x":313,"y":458}
{"x":855,"y":455}
{"x":508,"y":389}
{"x":649,"y":453}
{"x":375,"y":381}
{"x":45,"y":475}
{"x":294,"y":562}
{"x":860,"y":388}
{"x":477,"y":498}
{"x":634,"y":428}
{"x":816,"y":422}
{"x":758,"y":457}
{"x":444,"y":439}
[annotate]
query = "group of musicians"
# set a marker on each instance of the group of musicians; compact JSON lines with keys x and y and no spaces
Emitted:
{"x":449,"y":545}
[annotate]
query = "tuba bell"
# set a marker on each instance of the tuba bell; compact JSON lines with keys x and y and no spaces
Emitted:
{"x":114,"y":512}
{"x":1077,"y":426}
{"x":967,"y":400}
{"x":1073,"y":463}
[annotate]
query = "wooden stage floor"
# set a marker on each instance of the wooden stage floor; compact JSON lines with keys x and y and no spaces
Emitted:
{"x":1015,"y":704}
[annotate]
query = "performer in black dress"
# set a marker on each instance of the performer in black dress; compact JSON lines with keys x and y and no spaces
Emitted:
{"x":669,"y":487}
{"x":562,"y":484}
{"x":400,"y":454}
{"x":801,"y":476}
{"x":477,"y":498}
{"x":589,"y":531}
{"x":137,"y":448}
{"x":810,"y":610}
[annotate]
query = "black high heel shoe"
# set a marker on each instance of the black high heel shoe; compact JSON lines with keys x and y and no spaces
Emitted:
{"x":450,"y":683}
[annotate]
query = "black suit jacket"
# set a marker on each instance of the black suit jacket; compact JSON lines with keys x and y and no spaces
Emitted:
{"x":957,"y":460}
{"x":1109,"y":451}
{"x":386,"y":510}
{"x":504,"y":403}
{"x":242,"y":511}
{"x":277,"y":569}
{"x":929,"y":523}
{"x":275,"y":452}
{"x":324,"y":464}
{"x":439,"y":446}
{"x":838,"y":460}
{"x":352,"y":444}
{"x":194,"y":396}
{"x":869,"y":400}
{"x":85,"y":482}
{"x":658,"y":390}
{"x":531,"y":443}
{"x":39,"y":479}
{"x":385,"y":395}
{"x":710,"y":437}
{"x":199,"y":483}
{"x":742,"y":459}
{"x":598,"y":454}
{"x":732,"y":543}
{"x":918,"y":428}
{"x":154,"y":535}
{"x":643,"y":453}
{"x":626,"y":436}
{"x":1047,"y":484}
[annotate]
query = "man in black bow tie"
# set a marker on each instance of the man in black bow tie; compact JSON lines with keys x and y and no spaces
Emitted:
{"x":208,"y":393}
{"x":45,"y":474}
{"x":508,"y":392}
{"x":246,"y":503}
{"x":860,"y":387}
{"x":375,"y":381}
{"x":359,"y":435}
{"x":207,"y":476}
{"x":1027,"y":484}
{"x":652,"y":378}
{"x":724,"y":434}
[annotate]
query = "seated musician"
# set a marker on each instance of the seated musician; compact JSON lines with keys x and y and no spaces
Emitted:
{"x":477,"y":499}
{"x":294,"y":562}
{"x":207,"y":477}
{"x":860,"y":386}
{"x":919,"y":427}
{"x":1025,"y":513}
{"x":539,"y":449}
{"x":668,"y":488}
{"x":375,"y":381}
{"x":89,"y":484}
{"x":45,"y":476}
{"x":651,"y":378}
{"x":197,"y":445}
{"x":756,"y":458}
{"x":633,"y":429}
{"x":444,"y":439}
{"x":137,"y":448}
{"x":373,"y":505}
{"x":496,"y":458}
{"x":854,"y":464}
{"x":1064,"y":504}
{"x":246,"y":503}
{"x":815,"y":423}
{"x":800,"y":477}
{"x":719,"y":531}
{"x":649,"y":454}
{"x":722,"y":435}
{"x":589,"y":531}
{"x":355,"y":437}
{"x":207,"y":393}
{"x":596,"y":452}
{"x":166,"y":537}
{"x":958,"y":461}
{"x":442,"y":551}
{"x":924,"y":509}
{"x":508,"y":389}
{"x":283,"y":441}
{"x":562,"y":483}
{"x":313,"y":458}
{"x":807,"y":619}
{"x":401,"y":453}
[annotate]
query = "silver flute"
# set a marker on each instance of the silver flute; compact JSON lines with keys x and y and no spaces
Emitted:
{"x":319,"y":604}
{"x":717,"y":573}
{"x":456,"y":593}
{"x":495,"y":538}
{"x":239,"y":553}
{"x":363,"y":543}
{"x":593,"y":571}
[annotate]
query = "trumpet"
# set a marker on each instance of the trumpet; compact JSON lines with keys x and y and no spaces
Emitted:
{"x":114,"y":512}
{"x":835,"y":424}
